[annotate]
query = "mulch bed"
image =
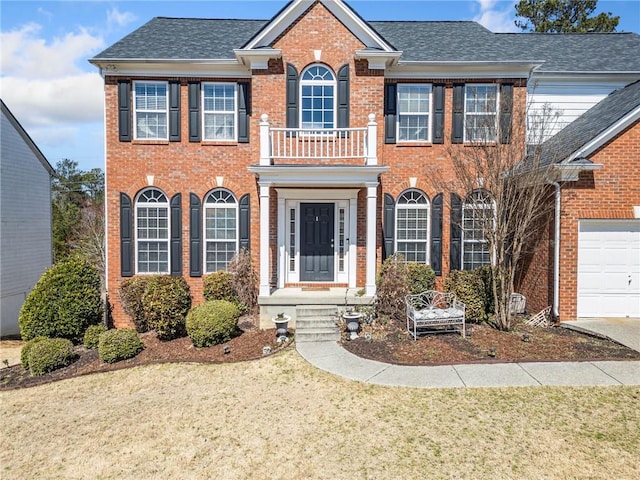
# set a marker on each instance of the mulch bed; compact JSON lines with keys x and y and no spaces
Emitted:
{"x":389,"y":343}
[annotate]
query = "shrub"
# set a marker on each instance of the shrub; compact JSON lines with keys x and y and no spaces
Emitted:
{"x":166,"y":302}
{"x":131,"y":292}
{"x":92,"y":335}
{"x":487,"y":281}
{"x":119,"y":344}
{"x":393,"y":286}
{"x":220,"y":286}
{"x":24,"y":353}
{"x":50,"y":354}
{"x":469,"y":289}
{"x":212,"y":323}
{"x":64,"y":302}
{"x":421,"y":277}
{"x":245,"y":280}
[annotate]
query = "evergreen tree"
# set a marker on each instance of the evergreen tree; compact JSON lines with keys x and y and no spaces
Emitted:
{"x":563,"y":16}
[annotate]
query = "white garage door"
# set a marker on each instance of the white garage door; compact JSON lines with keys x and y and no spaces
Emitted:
{"x":609,"y":268}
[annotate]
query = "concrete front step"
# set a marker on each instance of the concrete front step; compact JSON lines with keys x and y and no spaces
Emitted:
{"x":318,"y":335}
{"x":317,"y":323}
{"x":305,"y":323}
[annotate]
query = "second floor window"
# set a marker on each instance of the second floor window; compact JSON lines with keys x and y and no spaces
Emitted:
{"x":414,"y":106}
{"x":152,"y":232}
{"x":412,"y":226}
{"x":480,"y":113}
{"x":151,"y":107}
{"x":219,"y":110}
{"x":318,"y":98}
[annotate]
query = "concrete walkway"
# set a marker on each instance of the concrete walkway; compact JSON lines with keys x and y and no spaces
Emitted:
{"x":331,"y":357}
{"x":625,"y":331}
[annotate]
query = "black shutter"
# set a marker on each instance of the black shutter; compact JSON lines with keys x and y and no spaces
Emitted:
{"x":195,"y":236}
{"x":244,"y":112}
{"x":244,"y":222}
{"x":390,"y":110}
{"x":174,"y":111}
{"x":176,"y":235}
{"x":126,"y":236}
{"x":343,"y":97}
{"x":194,"y":112}
{"x":124,"y":110}
{"x":506,"y":109}
{"x":455,"y":246}
{"x":292,"y":97}
{"x":458,"y":113}
{"x":388,"y":225}
{"x":436,"y":234}
{"x":438,"y":113}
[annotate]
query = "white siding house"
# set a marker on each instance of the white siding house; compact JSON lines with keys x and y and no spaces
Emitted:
{"x":25,"y":219}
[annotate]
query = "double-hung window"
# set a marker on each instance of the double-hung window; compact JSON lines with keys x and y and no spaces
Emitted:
{"x":412,"y":226}
{"x":414,"y":112}
{"x":220,"y":229}
{"x":152,"y":231}
{"x":151,"y":110}
{"x":481,"y":113}
{"x":318,"y":98}
{"x":219,"y":110}
{"x":477,"y":219}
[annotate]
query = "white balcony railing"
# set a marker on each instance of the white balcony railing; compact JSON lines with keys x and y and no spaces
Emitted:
{"x":326,"y":144}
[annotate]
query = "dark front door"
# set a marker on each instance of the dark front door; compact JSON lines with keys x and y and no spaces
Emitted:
{"x":316,"y":242}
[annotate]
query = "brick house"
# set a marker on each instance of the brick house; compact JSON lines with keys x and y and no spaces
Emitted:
{"x":309,"y":139}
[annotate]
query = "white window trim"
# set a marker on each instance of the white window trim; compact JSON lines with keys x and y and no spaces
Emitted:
{"x":225,"y":112}
{"x":467,"y":205}
{"x":136,"y":204}
{"x":497,"y":111}
{"x":135,"y":109}
{"x":429,"y":113}
{"x":334,"y":83}
{"x":413,"y":206}
{"x":212,"y":206}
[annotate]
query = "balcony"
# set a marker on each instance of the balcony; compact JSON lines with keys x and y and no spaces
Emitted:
{"x":287,"y":145}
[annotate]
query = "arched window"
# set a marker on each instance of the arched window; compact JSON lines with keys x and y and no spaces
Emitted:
{"x":412,"y":226}
{"x":152,"y":231}
{"x":478,"y":213}
{"x":220,"y":229}
{"x":317,"y":98}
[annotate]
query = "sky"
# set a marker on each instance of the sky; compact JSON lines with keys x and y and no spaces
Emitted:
{"x":57,"y":95}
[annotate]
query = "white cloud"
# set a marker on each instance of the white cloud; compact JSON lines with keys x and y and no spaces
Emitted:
{"x":120,"y":19}
{"x":497,"y":16}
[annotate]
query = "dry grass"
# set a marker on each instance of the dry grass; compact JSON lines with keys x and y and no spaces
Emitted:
{"x":280,"y":418}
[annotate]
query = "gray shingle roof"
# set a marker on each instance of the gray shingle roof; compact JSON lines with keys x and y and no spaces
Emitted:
{"x":206,"y":39}
{"x":591,"y":123}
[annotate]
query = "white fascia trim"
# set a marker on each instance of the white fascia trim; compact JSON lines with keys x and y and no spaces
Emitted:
{"x":257,"y":59}
{"x":351,"y":21}
{"x":460,"y":69}
{"x":587,"y":77}
{"x":173,"y":68}
{"x":571,"y":173}
{"x":317,"y":176}
{"x":605,"y":136}
{"x":378,"y":60}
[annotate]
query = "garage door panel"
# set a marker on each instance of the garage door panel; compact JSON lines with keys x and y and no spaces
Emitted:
{"x":609,"y":268}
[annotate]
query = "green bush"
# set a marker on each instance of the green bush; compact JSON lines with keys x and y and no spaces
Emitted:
{"x":469,"y":289}
{"x":219,"y":286}
{"x":64,"y":302}
{"x":393,"y":287}
{"x":487,"y":281}
{"x":92,"y":335}
{"x":212,"y":323}
{"x":421,"y":277}
{"x":50,"y":354}
{"x":166,"y":302}
{"x":131,"y":292}
{"x":119,"y":344}
{"x":24,"y":353}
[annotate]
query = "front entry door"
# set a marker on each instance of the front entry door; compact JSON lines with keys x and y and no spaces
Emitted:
{"x":316,"y":242}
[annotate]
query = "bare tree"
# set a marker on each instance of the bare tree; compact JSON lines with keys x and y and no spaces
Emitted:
{"x":88,"y":236}
{"x":504,"y":180}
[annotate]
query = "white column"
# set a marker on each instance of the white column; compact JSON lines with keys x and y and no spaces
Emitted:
{"x":372,"y":141}
{"x":265,"y":141}
{"x":265,"y":272}
{"x":372,"y":197}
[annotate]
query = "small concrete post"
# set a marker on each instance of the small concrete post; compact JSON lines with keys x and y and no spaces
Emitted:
{"x":265,"y":140}
{"x":372,"y":141}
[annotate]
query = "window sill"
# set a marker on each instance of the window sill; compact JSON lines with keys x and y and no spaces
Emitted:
{"x":414,"y":144}
{"x":219,"y":143}
{"x":150,"y":142}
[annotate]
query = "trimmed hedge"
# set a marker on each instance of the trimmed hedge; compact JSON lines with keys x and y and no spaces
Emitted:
{"x":220,"y":286}
{"x":131,"y":292}
{"x":92,"y":335}
{"x":119,"y":344}
{"x":26,"y":349}
{"x":166,"y":302}
{"x":212,"y":323}
{"x":50,"y":354}
{"x":64,"y":302}
{"x":421,"y":277}
{"x":469,"y":289}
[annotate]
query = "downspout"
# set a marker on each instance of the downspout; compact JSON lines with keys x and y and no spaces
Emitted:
{"x":556,"y":251}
